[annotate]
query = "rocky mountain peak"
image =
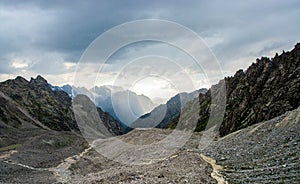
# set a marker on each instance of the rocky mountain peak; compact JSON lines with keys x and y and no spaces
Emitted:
{"x":20,"y":79}
{"x":297,"y":46}
{"x":39,"y":81}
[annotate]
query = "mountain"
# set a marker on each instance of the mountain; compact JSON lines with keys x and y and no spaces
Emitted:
{"x":35,"y":102}
{"x":51,"y":109}
{"x":39,"y":142}
{"x":93,"y":121}
{"x":163,"y":115}
{"x":268,"y":88}
{"x":38,"y":129}
{"x":72,"y":91}
{"x":124,"y":105}
{"x":127,"y":106}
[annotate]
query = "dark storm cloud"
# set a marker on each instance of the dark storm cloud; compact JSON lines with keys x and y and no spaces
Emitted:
{"x":62,"y":30}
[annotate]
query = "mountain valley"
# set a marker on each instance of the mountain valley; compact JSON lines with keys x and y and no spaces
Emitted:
{"x":42,"y":141}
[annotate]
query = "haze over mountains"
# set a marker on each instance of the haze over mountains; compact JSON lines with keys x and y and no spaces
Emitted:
{"x":268,"y":88}
{"x":259,"y":132}
{"x":162,"y":115}
{"x":124,"y":105}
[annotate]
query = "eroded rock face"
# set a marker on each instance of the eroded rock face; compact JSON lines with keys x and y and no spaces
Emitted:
{"x":35,"y":102}
{"x":51,"y":108}
{"x":268,"y":88}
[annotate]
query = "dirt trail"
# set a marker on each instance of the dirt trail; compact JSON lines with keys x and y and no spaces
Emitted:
{"x":216,"y":170}
{"x":61,"y":171}
{"x":7,"y":155}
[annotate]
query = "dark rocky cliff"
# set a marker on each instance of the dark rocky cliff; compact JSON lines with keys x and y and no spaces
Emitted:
{"x":268,"y":88}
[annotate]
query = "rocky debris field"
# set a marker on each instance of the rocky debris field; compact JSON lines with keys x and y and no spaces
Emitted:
{"x":37,"y":151}
{"x":183,"y":166}
{"x":268,"y":152}
{"x":48,"y":164}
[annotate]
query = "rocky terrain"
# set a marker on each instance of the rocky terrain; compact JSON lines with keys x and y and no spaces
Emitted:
{"x":36,"y":151}
{"x":183,"y":166}
{"x":267,"y":89}
{"x":267,"y":152}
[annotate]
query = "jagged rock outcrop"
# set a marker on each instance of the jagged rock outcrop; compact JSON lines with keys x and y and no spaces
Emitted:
{"x":268,"y":88}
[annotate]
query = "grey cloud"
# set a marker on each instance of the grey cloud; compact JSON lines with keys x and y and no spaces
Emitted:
{"x":66,"y":28}
{"x":5,"y":66}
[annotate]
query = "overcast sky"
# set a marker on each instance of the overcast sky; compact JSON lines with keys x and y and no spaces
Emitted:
{"x":49,"y":37}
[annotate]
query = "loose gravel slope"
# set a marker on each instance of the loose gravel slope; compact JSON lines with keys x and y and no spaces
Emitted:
{"x":268,"y":152}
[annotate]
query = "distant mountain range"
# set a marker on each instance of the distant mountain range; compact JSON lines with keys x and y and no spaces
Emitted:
{"x":128,"y":107}
{"x":164,"y":114}
{"x":124,"y":105}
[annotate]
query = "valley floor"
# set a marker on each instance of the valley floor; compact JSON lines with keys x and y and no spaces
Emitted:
{"x":267,"y":152}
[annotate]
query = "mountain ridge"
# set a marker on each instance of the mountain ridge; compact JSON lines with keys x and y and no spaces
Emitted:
{"x":268,"y":88}
{"x":113,"y":100}
{"x":46,"y":107}
{"x":162,"y":115}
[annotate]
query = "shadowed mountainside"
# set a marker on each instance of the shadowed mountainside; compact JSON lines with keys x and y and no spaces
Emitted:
{"x":34,"y":104}
{"x":267,"y":89}
{"x":162,"y":115}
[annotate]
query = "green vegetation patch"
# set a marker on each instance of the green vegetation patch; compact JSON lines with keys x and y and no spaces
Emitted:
{"x":11,"y":147}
